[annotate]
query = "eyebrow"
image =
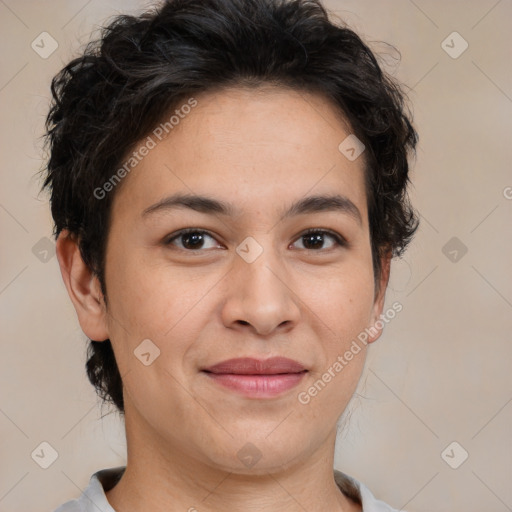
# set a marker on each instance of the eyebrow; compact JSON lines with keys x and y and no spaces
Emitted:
{"x":211,"y":206}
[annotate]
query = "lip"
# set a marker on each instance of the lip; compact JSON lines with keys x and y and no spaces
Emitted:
{"x":257,"y":378}
{"x":253,"y":366}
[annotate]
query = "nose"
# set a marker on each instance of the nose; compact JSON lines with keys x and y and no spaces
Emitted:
{"x":260,"y":296}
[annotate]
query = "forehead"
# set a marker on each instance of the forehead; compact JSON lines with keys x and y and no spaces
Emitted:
{"x":238,"y":143}
{"x":267,"y":114}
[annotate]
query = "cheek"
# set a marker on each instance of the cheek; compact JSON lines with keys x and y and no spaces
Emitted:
{"x":341,"y":310}
{"x":343,"y":300}
{"x":157,"y":302}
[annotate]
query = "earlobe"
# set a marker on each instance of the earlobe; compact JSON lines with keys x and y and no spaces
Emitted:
{"x":83,"y":288}
{"x":380,"y":296}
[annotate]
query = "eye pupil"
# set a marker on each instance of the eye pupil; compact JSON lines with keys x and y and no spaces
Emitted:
{"x":196,"y":237}
{"x":317,"y":240}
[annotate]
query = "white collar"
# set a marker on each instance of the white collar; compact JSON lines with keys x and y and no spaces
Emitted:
{"x":93,"y":499}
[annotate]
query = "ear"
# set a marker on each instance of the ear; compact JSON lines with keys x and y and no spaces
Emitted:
{"x":380,"y":295}
{"x":83,"y":288}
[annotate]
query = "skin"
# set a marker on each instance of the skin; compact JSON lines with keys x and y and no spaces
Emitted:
{"x":261,"y":151}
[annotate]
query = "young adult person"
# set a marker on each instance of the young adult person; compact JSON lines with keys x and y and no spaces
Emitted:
{"x":228,"y":182}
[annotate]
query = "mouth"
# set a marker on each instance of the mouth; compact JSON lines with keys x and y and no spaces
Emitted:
{"x":255,"y":378}
{"x":254,"y":366}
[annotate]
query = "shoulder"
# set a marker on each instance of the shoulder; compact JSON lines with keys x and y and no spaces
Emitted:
{"x":70,"y":506}
{"x":93,"y":498}
{"x":359,"y":493}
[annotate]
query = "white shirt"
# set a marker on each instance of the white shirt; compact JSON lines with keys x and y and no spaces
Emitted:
{"x":93,"y":498}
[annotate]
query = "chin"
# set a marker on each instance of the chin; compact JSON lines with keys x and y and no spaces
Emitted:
{"x":256,"y":455}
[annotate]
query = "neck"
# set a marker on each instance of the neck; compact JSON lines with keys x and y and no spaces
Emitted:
{"x":162,"y":477}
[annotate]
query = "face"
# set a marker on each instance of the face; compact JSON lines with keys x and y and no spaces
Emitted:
{"x":247,"y":282}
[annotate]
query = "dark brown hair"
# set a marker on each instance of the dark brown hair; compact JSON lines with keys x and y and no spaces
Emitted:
{"x":141,"y":67}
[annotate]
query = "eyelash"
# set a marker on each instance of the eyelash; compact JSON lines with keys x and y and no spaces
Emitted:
{"x":340,"y":240}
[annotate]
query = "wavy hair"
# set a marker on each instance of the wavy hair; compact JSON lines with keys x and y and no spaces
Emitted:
{"x":141,"y":67}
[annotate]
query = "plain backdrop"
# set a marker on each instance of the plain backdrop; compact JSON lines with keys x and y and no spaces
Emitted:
{"x":437,"y":386}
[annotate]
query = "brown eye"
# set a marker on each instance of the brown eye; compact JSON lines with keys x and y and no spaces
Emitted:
{"x":314,"y":239}
{"x":190,"y":239}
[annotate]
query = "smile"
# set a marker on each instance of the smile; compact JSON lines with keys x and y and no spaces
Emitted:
{"x":257,"y":386}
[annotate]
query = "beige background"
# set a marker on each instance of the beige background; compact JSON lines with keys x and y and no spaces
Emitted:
{"x":441,"y":371}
